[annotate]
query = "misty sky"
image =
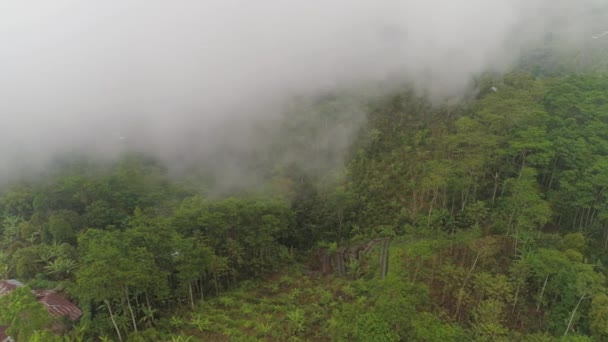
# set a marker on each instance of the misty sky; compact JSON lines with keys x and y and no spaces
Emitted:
{"x":165,"y":76}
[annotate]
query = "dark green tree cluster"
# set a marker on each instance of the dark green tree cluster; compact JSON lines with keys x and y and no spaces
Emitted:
{"x":127,"y":242}
{"x":508,"y":196}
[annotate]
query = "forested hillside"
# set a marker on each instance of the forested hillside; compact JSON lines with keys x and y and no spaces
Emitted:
{"x":496,"y":207}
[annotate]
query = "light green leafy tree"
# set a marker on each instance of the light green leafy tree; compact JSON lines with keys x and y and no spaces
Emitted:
{"x":23,"y":314}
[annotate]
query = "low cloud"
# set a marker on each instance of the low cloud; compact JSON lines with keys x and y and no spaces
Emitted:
{"x":179,"y":78}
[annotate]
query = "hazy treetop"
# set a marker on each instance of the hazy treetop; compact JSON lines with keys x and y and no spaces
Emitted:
{"x":166,"y":75}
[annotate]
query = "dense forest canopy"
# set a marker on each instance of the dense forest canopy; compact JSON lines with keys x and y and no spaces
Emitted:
{"x":496,"y":207}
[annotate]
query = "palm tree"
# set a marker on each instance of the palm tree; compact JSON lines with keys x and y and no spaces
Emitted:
{"x":10,"y":227}
{"x":61,"y":267}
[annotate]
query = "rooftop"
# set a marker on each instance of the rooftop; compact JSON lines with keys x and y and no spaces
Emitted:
{"x":55,"y":303}
{"x":7,"y":286}
{"x":58,"y":305}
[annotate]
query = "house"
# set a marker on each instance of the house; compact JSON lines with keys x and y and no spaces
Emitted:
{"x":8,"y":286}
{"x":55,"y":303}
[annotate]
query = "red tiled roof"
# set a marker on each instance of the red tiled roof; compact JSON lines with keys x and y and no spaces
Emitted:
{"x":55,"y":303}
{"x":8,"y":286}
{"x":58,"y":305}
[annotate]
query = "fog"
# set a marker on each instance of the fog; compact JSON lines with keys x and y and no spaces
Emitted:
{"x":177,"y":79}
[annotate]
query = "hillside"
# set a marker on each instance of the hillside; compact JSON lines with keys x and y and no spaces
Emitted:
{"x":496,"y":209}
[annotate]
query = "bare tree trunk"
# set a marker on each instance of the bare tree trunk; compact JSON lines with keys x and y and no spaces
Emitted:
{"x":149,"y":306}
{"x":200,"y":288}
{"x":433,"y":267}
{"x":418,"y":266}
{"x":137,"y":306}
{"x":516,"y":242}
{"x":191,"y":295}
{"x":572,"y":316}
{"x":516,"y":297}
{"x":510,"y":223}
{"x":443,"y":294}
{"x":589,"y":214}
{"x":593,"y":217}
{"x":113,"y":320}
{"x":130,"y":309}
{"x":217,"y":289}
{"x":495,"y":189}
{"x":428,"y":219}
{"x":580,"y":224}
{"x":340,"y":219}
{"x":523,"y":163}
{"x":552,"y":174}
{"x":542,"y":291}
{"x":474,"y":192}
{"x":464,"y":196}
{"x":385,"y":250}
{"x":574,"y":221}
{"x":414,"y":209}
{"x":464,"y":284}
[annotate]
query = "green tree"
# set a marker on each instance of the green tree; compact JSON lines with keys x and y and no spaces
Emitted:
{"x":599,"y":316}
{"x":524,"y":209}
{"x":63,"y":226}
{"x":113,"y":271}
{"x":23,"y":314}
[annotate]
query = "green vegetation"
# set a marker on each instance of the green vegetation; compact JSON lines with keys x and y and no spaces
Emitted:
{"x":23,"y":314}
{"x":497,"y":210}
